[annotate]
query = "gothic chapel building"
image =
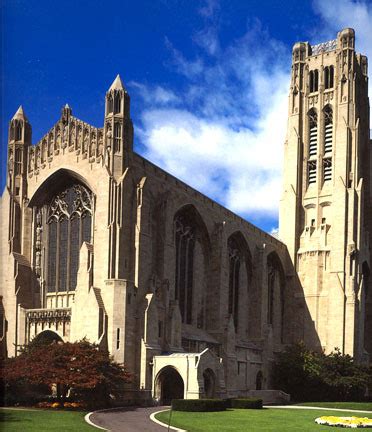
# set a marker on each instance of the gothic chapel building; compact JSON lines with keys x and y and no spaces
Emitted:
{"x":99,"y":243}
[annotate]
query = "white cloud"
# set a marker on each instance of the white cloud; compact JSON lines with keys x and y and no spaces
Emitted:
{"x":223,"y":132}
{"x":226,"y":139}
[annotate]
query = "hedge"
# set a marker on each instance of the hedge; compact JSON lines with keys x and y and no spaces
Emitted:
{"x":198,"y":405}
{"x":249,"y":403}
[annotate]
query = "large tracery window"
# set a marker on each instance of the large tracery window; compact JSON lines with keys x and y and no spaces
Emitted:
{"x":69,"y":219}
{"x":185,"y":243}
{"x":234,"y":280}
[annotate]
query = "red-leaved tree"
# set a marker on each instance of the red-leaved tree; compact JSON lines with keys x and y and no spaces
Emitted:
{"x":89,"y":373}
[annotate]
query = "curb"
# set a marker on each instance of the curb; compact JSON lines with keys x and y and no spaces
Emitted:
{"x":152,"y":418}
{"x":89,"y":421}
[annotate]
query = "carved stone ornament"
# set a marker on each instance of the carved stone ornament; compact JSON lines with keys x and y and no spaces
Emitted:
{"x":74,"y":200}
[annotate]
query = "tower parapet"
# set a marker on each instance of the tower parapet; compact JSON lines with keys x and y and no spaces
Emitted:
{"x":69,"y":134}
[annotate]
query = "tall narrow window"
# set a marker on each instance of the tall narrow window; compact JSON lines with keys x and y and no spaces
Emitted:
{"x":326,"y":77}
{"x":328,"y":129}
{"x":311,"y":172}
{"x":117,"y":104}
{"x":327,"y":169}
{"x":316,"y":80}
{"x":117,"y":138}
{"x":313,"y":133}
{"x":234,"y":281}
{"x":69,"y":224}
{"x":275,"y":299}
{"x":331,"y":76}
{"x":110,"y":104}
{"x":18,"y":131}
{"x":313,"y":80}
{"x":18,"y":161}
{"x":184,"y":243}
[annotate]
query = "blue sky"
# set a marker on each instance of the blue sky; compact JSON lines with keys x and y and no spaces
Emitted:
{"x":208,"y":80}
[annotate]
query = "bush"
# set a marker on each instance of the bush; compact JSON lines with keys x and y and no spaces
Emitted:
{"x":198,"y":405}
{"x":307,"y":375}
{"x":248,"y":403}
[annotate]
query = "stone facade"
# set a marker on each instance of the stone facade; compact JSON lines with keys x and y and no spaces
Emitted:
{"x":98,"y":242}
{"x":326,"y":207}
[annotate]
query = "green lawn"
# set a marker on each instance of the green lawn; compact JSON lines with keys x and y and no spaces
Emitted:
{"x":16,"y":420}
{"x":364,"y":406}
{"x":265,"y":420}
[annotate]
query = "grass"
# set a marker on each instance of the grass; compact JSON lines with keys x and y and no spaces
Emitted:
{"x":37,"y":420}
{"x":363,"y":406}
{"x":265,"y":420}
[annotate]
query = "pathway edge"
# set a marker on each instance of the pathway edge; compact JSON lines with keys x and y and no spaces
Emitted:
{"x":155,"y":420}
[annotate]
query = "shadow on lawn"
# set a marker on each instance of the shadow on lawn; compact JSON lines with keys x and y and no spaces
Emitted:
{"x":7,"y":417}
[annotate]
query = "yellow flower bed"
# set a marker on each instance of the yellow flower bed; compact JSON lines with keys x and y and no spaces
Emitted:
{"x":351,"y":422}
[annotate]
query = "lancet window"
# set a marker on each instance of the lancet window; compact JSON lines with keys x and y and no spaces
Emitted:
{"x":313,"y":132}
{"x":117,"y":104}
{"x":313,"y":81}
{"x":328,"y":129}
{"x":69,"y":224}
{"x":275,"y":298}
{"x":185,"y":244}
{"x":328,"y":77}
{"x":117,"y":137}
{"x":234,"y":280}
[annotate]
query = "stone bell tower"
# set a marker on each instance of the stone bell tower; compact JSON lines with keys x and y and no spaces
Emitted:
{"x":118,"y":128}
{"x":326,"y":204}
{"x":18,"y":145}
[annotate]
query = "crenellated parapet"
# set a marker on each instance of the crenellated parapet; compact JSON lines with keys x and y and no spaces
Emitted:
{"x":69,"y":134}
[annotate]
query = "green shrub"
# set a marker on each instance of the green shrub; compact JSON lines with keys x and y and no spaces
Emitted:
{"x":248,"y":403}
{"x":198,"y":405}
{"x":308,"y":375}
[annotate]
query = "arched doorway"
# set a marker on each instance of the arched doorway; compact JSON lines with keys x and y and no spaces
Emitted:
{"x":168,"y":385}
{"x":46,"y":337}
{"x":209,"y":383}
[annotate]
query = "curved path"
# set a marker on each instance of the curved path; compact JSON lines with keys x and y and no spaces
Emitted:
{"x":135,"y":419}
{"x":128,"y":419}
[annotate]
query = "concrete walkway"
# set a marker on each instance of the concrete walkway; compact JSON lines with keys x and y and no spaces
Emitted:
{"x":129,"y":419}
{"x":132,"y":419}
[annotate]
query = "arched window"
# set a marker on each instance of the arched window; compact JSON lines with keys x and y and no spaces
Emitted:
{"x":117,"y":104}
{"x":234,"y":280}
{"x":110,"y":104}
{"x":316,"y":80}
{"x":331,"y":76}
{"x":185,"y":243}
{"x":69,"y":219}
{"x":192,"y":251}
{"x":313,"y":80}
{"x":328,"y":77}
{"x":275,"y":297}
{"x":117,"y":138}
{"x":313,"y":132}
{"x":18,"y":131}
{"x":18,"y":161}
{"x":328,"y":129}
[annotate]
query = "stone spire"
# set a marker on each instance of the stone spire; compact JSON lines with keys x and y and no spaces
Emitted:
{"x":117,"y":84}
{"x":20,"y":114}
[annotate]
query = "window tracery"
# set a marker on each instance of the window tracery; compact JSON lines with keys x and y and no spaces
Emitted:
{"x":68,"y":225}
{"x":234,"y":280}
{"x":185,"y":242}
